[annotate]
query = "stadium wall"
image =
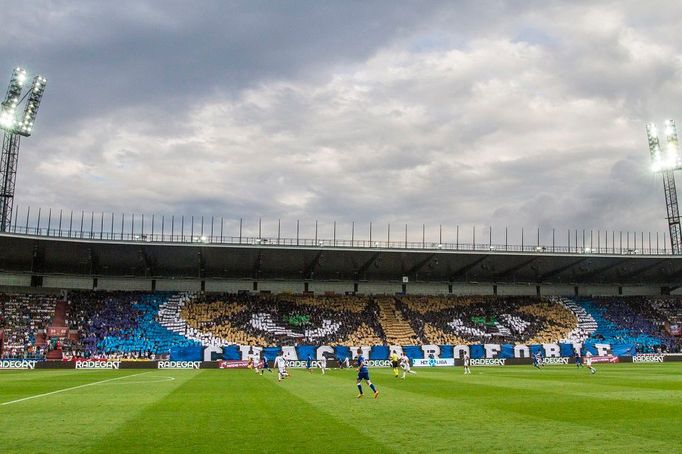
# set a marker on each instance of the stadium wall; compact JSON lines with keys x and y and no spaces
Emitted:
{"x":340,"y":287}
{"x":229,"y":286}
{"x":640,"y":290}
{"x":15,"y":280}
{"x":26,"y":281}
{"x":422,"y":288}
{"x":598,"y":290}
{"x":68,"y":282}
{"x":380,"y":288}
{"x":473,"y":289}
{"x":281,"y":286}
{"x":517,"y":290}
{"x":124,"y":284}
{"x":178,"y":285}
{"x":557,"y":290}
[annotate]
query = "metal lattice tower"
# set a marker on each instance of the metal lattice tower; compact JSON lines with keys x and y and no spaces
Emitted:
{"x":673,"y":210}
{"x":14,"y":128}
{"x":667,"y":161}
{"x":8,"y":176}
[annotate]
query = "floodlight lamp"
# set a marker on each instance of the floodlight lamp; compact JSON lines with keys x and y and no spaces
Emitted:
{"x":668,"y":158}
{"x":6,"y":120}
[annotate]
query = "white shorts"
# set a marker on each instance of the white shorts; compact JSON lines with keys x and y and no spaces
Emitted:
{"x":282,"y":371}
{"x":406,"y":367}
{"x":588,"y":362}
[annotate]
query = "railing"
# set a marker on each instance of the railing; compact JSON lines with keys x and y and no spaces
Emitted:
{"x":614,"y":247}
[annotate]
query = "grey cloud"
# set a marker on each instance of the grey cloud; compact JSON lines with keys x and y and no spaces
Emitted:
{"x":432,"y":113}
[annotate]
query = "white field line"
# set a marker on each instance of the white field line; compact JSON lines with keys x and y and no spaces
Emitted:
{"x":69,"y":389}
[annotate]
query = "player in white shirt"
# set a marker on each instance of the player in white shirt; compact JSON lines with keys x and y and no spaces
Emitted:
{"x":256,"y":363}
{"x":323,"y":364}
{"x":588,"y":363}
{"x":467,"y":363}
{"x":281,"y":366}
{"x":405,"y":364}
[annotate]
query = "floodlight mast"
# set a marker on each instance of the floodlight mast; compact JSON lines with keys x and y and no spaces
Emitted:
{"x":13,"y":130}
{"x":666,"y":162}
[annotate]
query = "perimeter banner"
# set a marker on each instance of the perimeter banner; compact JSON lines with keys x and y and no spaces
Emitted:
{"x":440,"y":362}
{"x":648,"y":358}
{"x":414,"y":352}
{"x":18,"y":364}
{"x":97,"y":364}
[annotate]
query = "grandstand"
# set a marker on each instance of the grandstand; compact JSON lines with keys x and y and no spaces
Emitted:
{"x":142,"y":325}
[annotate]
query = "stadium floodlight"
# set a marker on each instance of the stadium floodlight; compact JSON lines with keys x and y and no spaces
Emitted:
{"x":31,"y":109}
{"x":11,"y":101}
{"x":666,"y":161}
{"x":13,"y":129}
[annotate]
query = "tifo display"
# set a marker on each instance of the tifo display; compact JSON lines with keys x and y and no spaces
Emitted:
{"x":205,"y":327}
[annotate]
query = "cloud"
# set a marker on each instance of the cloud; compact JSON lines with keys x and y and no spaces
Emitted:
{"x":520,"y":117}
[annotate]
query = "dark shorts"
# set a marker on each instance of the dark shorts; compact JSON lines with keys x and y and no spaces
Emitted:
{"x":395,"y":364}
{"x":363,"y":375}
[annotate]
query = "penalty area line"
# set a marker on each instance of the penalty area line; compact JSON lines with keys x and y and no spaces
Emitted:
{"x":69,"y":389}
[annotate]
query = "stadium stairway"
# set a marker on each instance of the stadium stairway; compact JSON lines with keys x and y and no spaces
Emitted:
{"x":396,"y":329}
{"x":60,"y":314}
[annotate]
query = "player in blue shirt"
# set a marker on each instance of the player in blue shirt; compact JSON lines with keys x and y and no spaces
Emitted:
{"x":309,"y":364}
{"x":363,"y":374}
{"x":266,"y":366}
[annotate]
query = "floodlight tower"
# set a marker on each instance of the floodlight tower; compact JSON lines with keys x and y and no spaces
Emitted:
{"x":14,"y":128}
{"x":666,"y":162}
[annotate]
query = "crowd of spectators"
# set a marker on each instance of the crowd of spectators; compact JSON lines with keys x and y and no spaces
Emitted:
{"x":22,"y":319}
{"x":118,"y":325}
{"x":134,"y":325}
{"x":634,"y":320}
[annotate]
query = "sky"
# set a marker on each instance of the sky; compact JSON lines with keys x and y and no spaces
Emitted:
{"x":472,"y":114}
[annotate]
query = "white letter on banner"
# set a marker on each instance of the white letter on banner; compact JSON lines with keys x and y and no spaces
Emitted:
{"x":322,"y":350}
{"x":431,"y":350}
{"x":248,"y":351}
{"x":521,"y":351}
{"x":212,"y":349}
{"x":552,"y":350}
{"x":458,"y":351}
{"x":289,"y":353}
{"x":395,"y":348}
{"x":491,"y":350}
{"x":603,"y":349}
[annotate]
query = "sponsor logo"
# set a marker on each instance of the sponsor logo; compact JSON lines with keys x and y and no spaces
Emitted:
{"x":231,"y":364}
{"x":433,"y":362}
{"x":179,"y":364}
{"x":489,"y":362}
{"x":299,"y":364}
{"x":554,"y":361}
{"x":379,"y":363}
{"x":17,"y":364}
{"x":604,"y":359}
{"x":647,"y":359}
{"x":88,"y":364}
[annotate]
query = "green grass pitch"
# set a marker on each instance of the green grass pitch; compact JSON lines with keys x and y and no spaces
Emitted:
{"x":623,"y":408}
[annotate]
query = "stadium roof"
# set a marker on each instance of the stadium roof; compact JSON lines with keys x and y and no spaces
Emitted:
{"x":91,"y":257}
